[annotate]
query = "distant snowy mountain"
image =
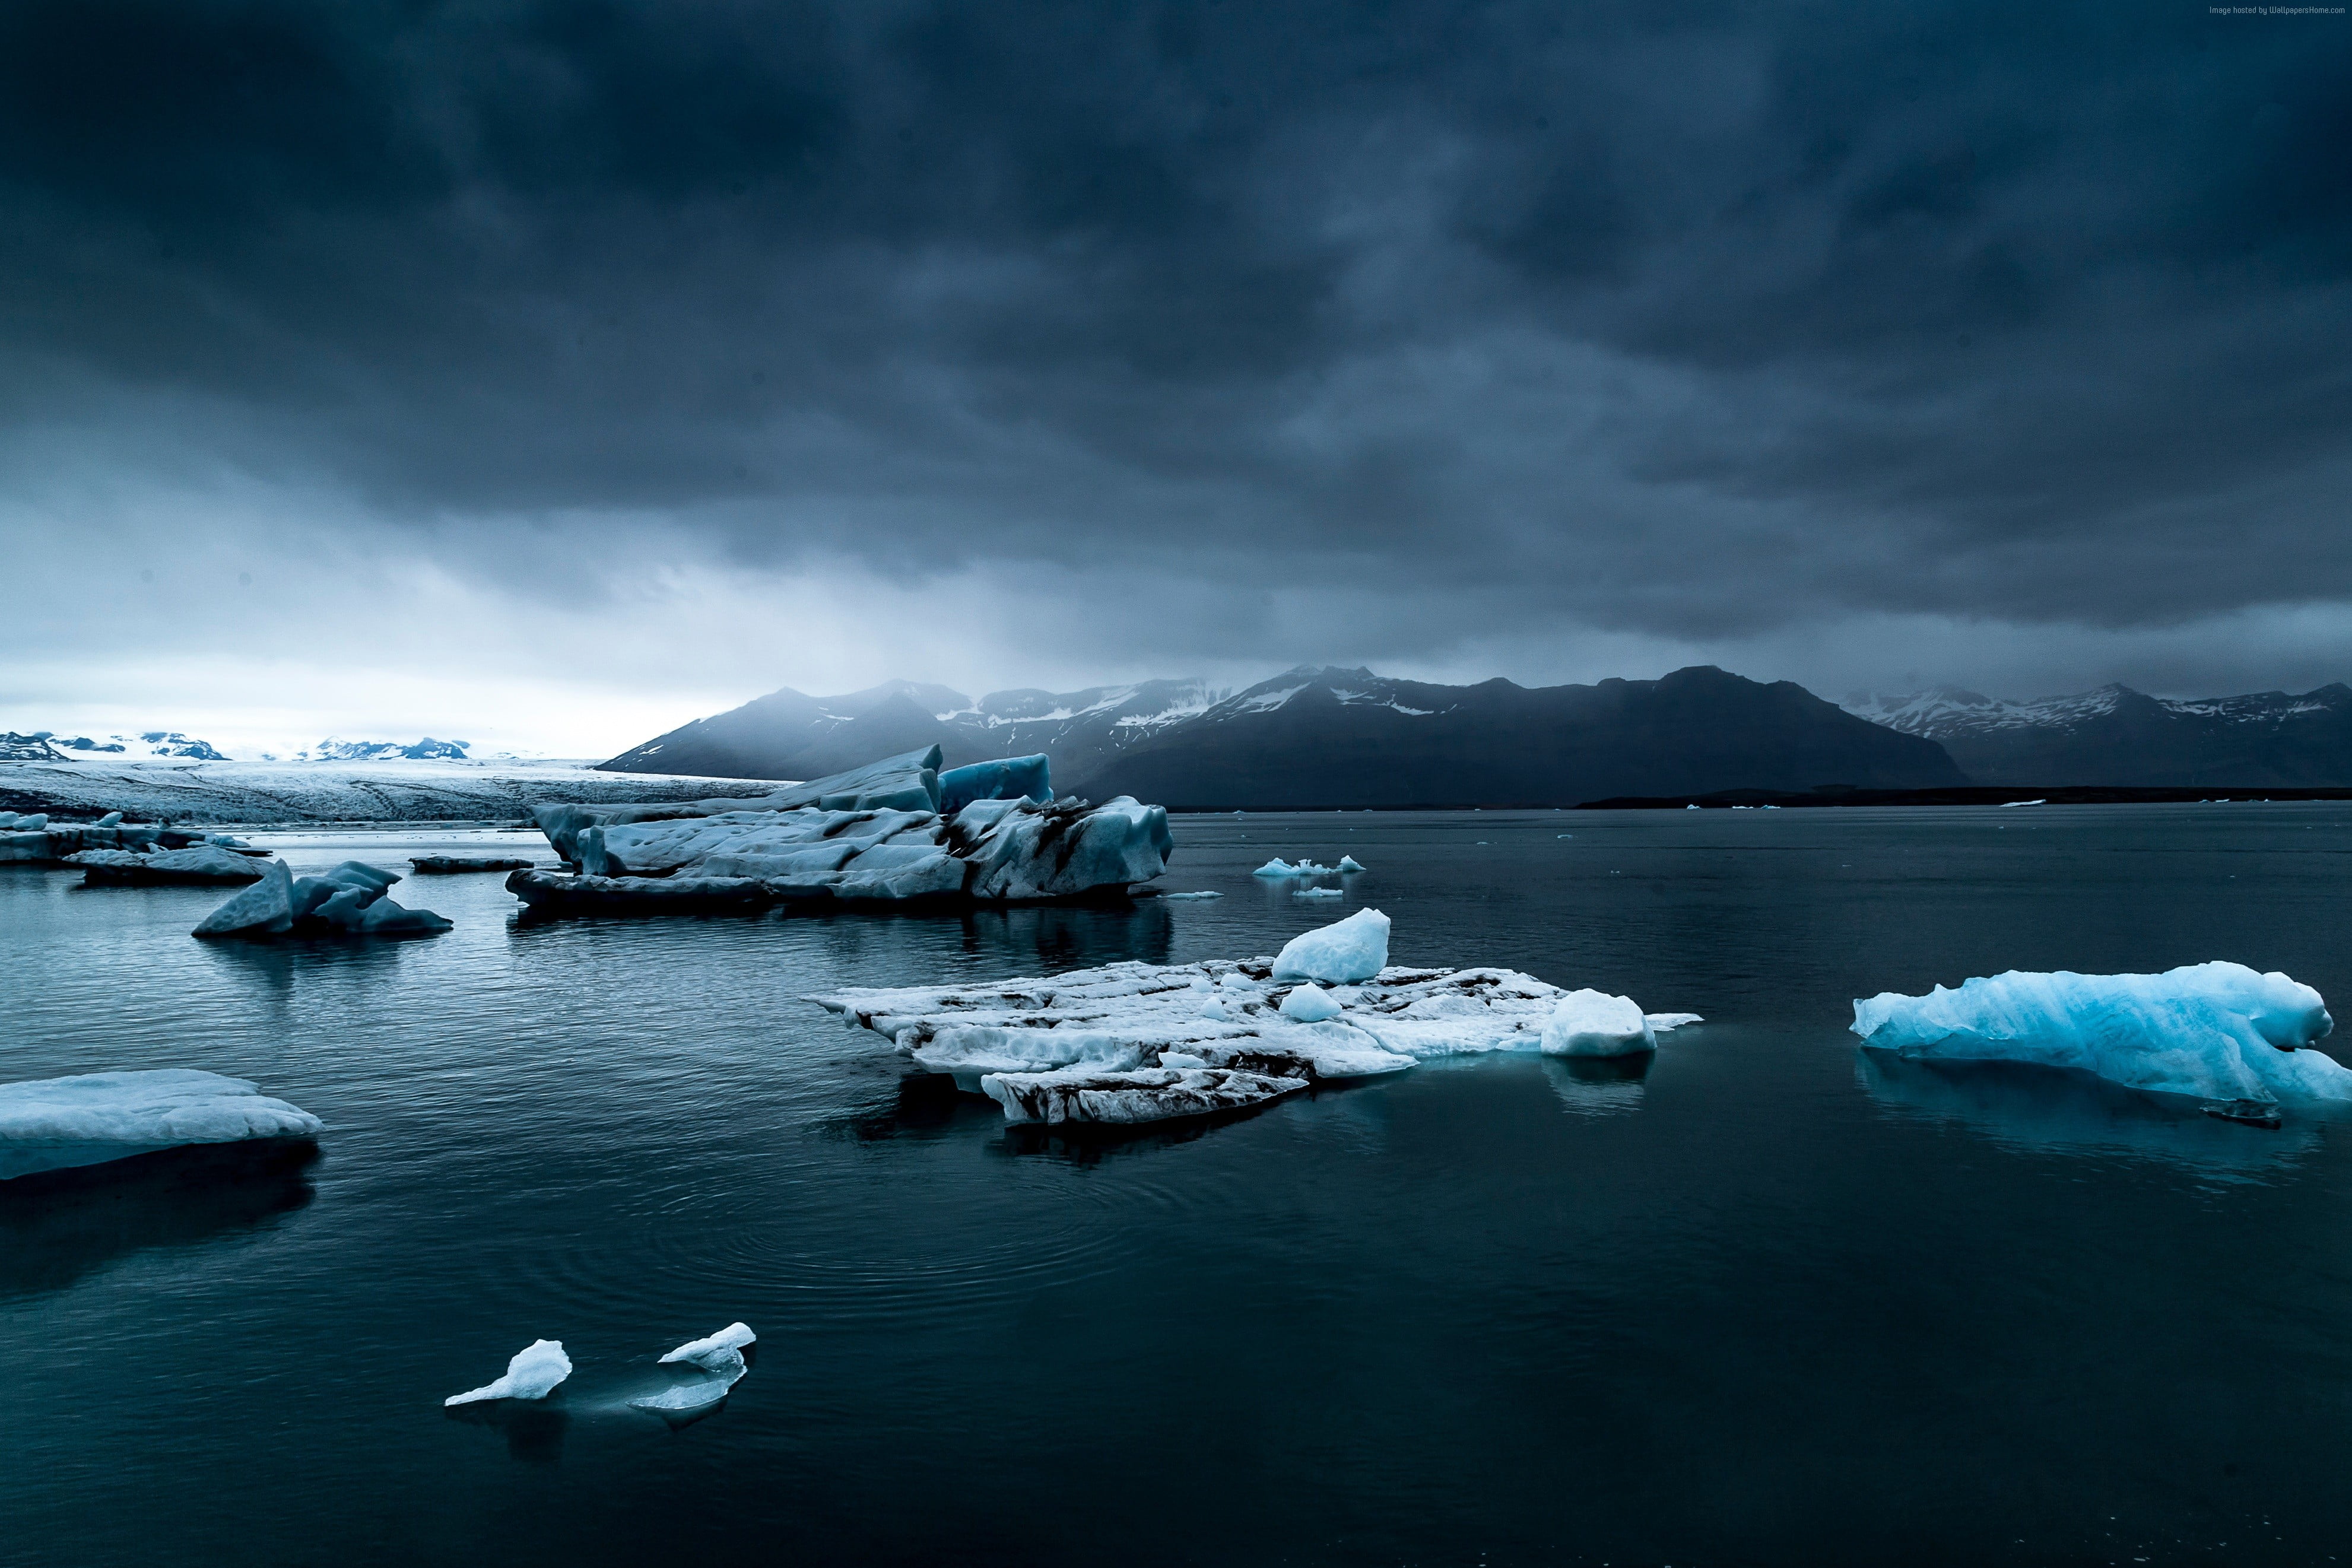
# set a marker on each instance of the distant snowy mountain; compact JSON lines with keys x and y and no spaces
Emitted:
{"x":1328,"y":737}
{"x":789,"y":735}
{"x":332,"y":750}
{"x":2118,"y":736}
{"x":147,"y":743}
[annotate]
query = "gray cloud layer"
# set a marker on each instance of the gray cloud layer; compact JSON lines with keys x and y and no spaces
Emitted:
{"x":1486,"y":319}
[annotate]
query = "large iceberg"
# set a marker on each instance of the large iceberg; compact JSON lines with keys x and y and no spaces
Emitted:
{"x":2218,"y":1031}
{"x":56,"y":1123}
{"x":883,"y":833}
{"x":1129,"y":1042}
{"x":346,"y":901}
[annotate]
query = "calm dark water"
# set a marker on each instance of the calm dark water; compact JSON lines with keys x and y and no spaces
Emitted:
{"x":1766,"y":1305}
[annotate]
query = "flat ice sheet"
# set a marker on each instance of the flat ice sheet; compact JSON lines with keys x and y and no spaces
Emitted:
{"x":58,"y":1123}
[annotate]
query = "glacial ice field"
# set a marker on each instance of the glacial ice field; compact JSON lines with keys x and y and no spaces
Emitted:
{"x":1673,"y":1305}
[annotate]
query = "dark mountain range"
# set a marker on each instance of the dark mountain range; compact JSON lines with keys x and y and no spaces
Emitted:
{"x":2116,"y":736}
{"x":1336,"y":738}
{"x":786,"y":735}
{"x":1315,"y":738}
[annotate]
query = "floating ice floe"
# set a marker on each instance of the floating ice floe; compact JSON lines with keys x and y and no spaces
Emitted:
{"x":720,"y":1357}
{"x":1199,"y":895}
{"x":457,"y":865}
{"x":2218,"y":1031}
{"x":2011,"y":804}
{"x":1322,"y":893}
{"x":1278,"y":868}
{"x":58,"y":1123}
{"x":883,"y":833}
{"x":202,"y":864}
{"x":1138,"y":1042}
{"x":532,"y":1374}
{"x":348,"y":900}
{"x":1348,"y":863}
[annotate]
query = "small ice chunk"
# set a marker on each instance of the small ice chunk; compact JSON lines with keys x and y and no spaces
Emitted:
{"x":1594,"y":1024}
{"x":1200,"y":895}
{"x":1308,"y":1003}
{"x":532,"y":1374}
{"x":1353,"y":949}
{"x":1321,"y":893}
{"x":112,"y":819}
{"x":726,"y":1341}
{"x":1277,"y":868}
{"x":1661,"y":1022}
{"x":1348,"y":863}
{"x":726,"y":1367}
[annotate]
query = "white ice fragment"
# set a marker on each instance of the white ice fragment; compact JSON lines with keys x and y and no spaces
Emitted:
{"x":1594,"y":1024}
{"x":112,"y":819}
{"x":1277,"y":868}
{"x":1349,"y":862}
{"x":1661,"y":1022}
{"x":532,"y":1374}
{"x":1200,"y":895}
{"x":731,"y":1338}
{"x":1308,"y":1003}
{"x":1321,"y":893}
{"x":1356,"y":948}
{"x":726,"y":1367}
{"x":2220,"y":1030}
{"x":2007,"y":804}
{"x":265,"y":909}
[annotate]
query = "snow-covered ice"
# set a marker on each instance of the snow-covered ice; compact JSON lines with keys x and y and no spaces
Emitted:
{"x":48,"y":1124}
{"x":1199,"y":895}
{"x":1321,"y":893}
{"x":1354,"y":949}
{"x":532,"y":1374}
{"x":1594,"y":1024}
{"x":1278,"y":868}
{"x":2219,"y":1031}
{"x":1069,"y":1047}
{"x":1350,"y":863}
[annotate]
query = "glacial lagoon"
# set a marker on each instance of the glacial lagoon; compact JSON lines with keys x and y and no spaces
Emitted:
{"x":1763,"y":1299}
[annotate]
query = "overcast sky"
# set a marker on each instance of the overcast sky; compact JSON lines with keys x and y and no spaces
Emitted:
{"x":548,"y":374}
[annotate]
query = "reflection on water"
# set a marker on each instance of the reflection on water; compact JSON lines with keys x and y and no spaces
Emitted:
{"x":59,"y":1225}
{"x":2057,"y":1110}
{"x":1598,"y":1086}
{"x":534,"y":1429}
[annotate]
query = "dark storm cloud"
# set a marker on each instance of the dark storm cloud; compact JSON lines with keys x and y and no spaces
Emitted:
{"x":1745,"y":313}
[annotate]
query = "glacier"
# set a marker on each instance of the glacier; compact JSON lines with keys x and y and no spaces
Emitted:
{"x":58,"y":1123}
{"x":347,"y":901}
{"x":533,"y":1373}
{"x":2217,"y":1031}
{"x":881,"y":833}
{"x":1134,"y":1042}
